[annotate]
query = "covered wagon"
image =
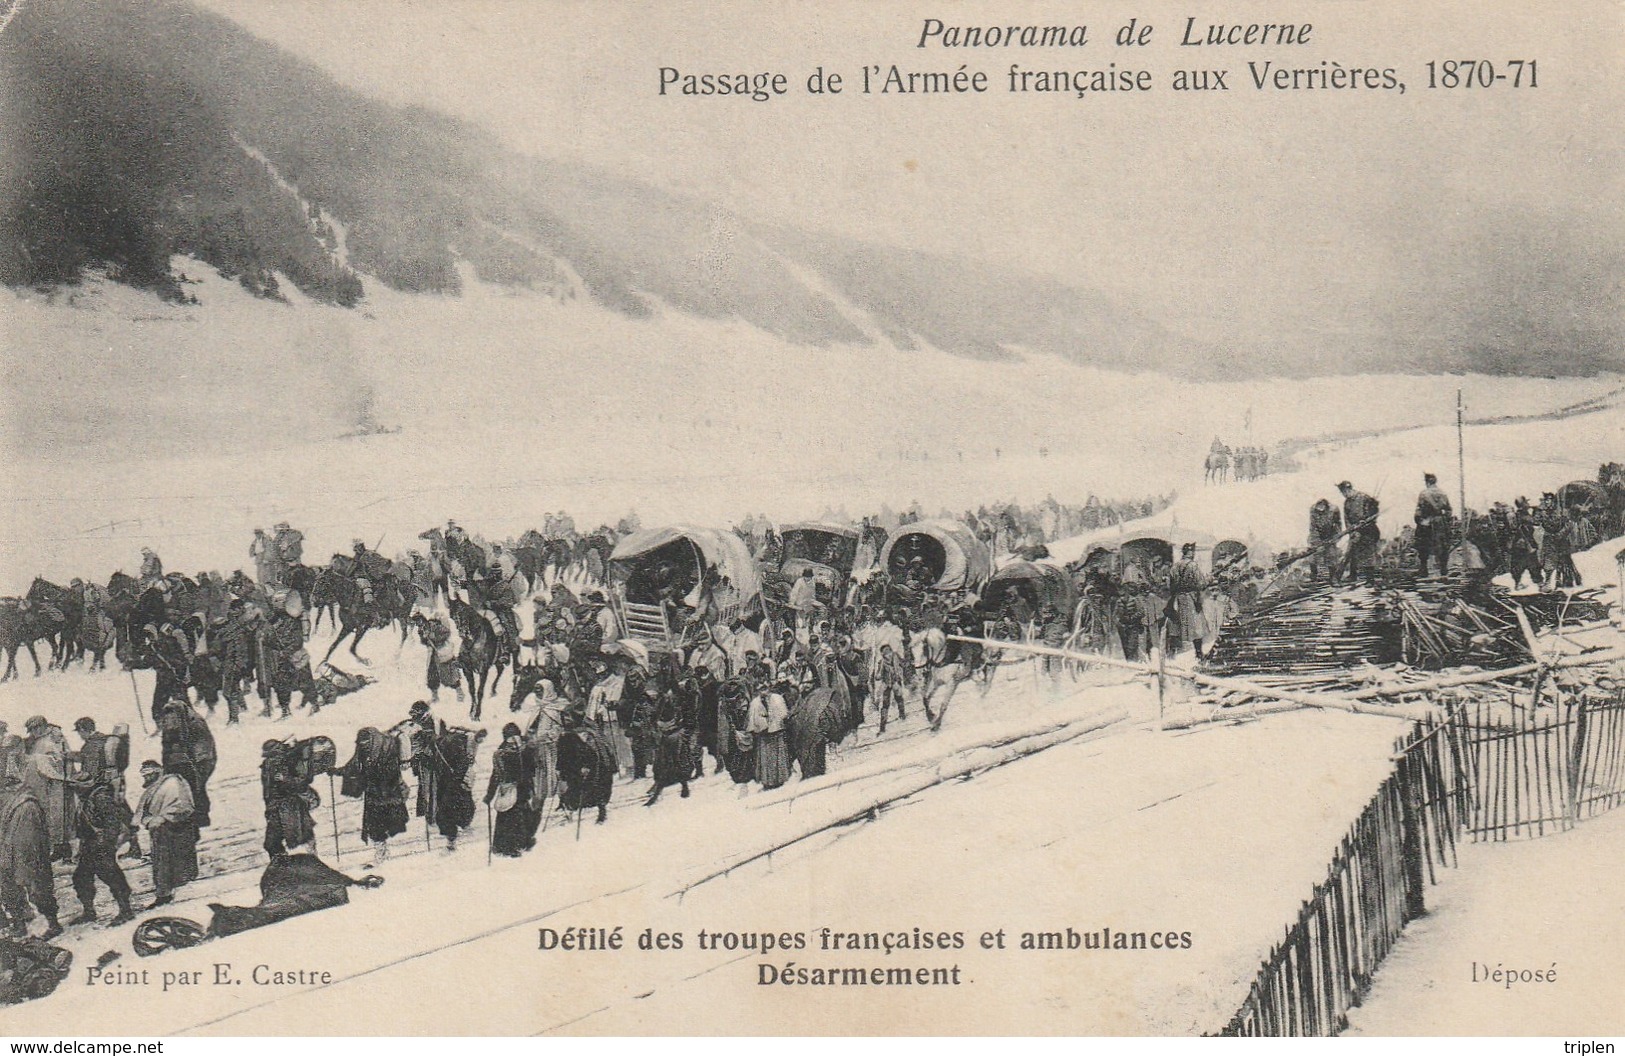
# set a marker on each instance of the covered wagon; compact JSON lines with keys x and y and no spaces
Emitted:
{"x":937,"y":555}
{"x":1035,"y":583}
{"x":664,"y":579}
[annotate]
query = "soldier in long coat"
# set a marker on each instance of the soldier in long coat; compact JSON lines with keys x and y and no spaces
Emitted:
{"x":25,"y":859}
{"x":1186,"y":600}
{"x":373,"y":774}
{"x":286,"y":660}
{"x":166,"y":813}
{"x":47,"y":778}
{"x":288,"y":800}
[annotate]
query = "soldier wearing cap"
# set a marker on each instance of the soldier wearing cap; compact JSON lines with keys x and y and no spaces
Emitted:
{"x":165,"y":812}
{"x":46,"y":775}
{"x":286,"y":659}
{"x":1433,"y":527}
{"x":1186,"y":602}
{"x":25,"y":858}
{"x":1360,"y":521}
{"x":103,"y":821}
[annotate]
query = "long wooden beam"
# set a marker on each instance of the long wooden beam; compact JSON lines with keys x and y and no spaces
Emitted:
{"x":1340,"y":702}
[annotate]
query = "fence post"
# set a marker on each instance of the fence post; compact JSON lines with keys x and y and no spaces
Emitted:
{"x":1576,"y":756}
{"x":1410,"y":837}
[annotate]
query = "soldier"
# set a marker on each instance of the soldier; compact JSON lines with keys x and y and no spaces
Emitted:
{"x":46,"y":775}
{"x":1360,"y":521}
{"x":288,"y":799}
{"x":229,"y":648}
{"x":152,"y":569}
{"x":165,"y":812}
{"x":188,"y":750}
{"x":286,"y":660}
{"x":268,"y":565}
{"x":290,"y":545}
{"x":1186,"y":589}
{"x":102,"y":822}
{"x":1325,"y":525}
{"x":1433,"y":527}
{"x":171,"y":654}
{"x":25,"y":859}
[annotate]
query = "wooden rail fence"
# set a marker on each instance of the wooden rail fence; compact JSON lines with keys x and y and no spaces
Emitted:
{"x":1491,"y":771}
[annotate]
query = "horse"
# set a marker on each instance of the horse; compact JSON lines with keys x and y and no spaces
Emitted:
{"x":1216,"y":465}
{"x":356,"y":614}
{"x":58,"y":610}
{"x":19,"y":629}
{"x":592,"y":552}
{"x":480,"y":652}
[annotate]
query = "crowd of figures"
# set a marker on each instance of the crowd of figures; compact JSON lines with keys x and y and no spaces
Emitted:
{"x":761,"y":697}
{"x":1006,"y":528}
{"x":758,"y":695}
{"x":1224,"y":463}
{"x":1523,"y":539}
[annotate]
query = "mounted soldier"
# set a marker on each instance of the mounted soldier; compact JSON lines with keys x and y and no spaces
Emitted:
{"x":152,"y":569}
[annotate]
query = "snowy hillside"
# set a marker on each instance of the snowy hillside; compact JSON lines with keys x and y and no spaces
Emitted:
{"x":677,"y":417}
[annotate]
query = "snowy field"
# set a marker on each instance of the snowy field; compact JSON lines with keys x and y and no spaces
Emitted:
{"x":512,"y":405}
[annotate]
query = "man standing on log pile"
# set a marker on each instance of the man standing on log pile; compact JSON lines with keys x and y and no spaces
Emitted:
{"x":1433,"y":526}
{"x":1360,"y":521}
{"x":1325,"y":527}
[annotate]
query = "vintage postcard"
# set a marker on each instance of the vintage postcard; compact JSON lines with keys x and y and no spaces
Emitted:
{"x":1005,"y":517}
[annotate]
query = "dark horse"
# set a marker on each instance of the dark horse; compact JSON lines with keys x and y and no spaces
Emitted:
{"x":481,"y":650}
{"x":356,"y":614}
{"x":58,"y":610}
{"x":20,"y":628}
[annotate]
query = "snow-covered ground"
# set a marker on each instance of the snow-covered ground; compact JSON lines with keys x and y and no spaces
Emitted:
{"x":1549,"y":906}
{"x":1215,"y":833}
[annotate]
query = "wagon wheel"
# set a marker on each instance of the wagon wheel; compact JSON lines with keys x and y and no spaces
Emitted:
{"x":158,"y":934}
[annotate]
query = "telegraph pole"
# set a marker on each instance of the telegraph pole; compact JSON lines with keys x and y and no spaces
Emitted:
{"x":1461,"y":464}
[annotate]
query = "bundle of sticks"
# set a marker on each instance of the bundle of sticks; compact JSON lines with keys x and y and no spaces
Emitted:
{"x":1322,"y":631}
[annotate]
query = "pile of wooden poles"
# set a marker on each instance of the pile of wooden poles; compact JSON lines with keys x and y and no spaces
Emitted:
{"x":1323,"y":631}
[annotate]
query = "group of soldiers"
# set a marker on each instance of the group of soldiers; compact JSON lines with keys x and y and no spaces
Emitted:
{"x":1241,"y":463}
{"x":58,"y":804}
{"x":1524,"y":539}
{"x":761,"y":695}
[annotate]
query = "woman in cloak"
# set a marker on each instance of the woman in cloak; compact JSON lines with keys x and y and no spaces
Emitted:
{"x":768,"y":712}
{"x":512,"y":792}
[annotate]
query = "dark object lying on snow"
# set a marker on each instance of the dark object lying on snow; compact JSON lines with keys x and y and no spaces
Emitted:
{"x":290,"y":886}
{"x":333,"y":683}
{"x":30,"y":968}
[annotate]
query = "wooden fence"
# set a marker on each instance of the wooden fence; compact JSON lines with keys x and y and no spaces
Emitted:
{"x":1494,"y":772}
{"x":1537,"y":772}
{"x":1373,"y":888}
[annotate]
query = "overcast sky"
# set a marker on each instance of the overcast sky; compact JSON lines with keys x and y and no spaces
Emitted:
{"x":1239,"y":217}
